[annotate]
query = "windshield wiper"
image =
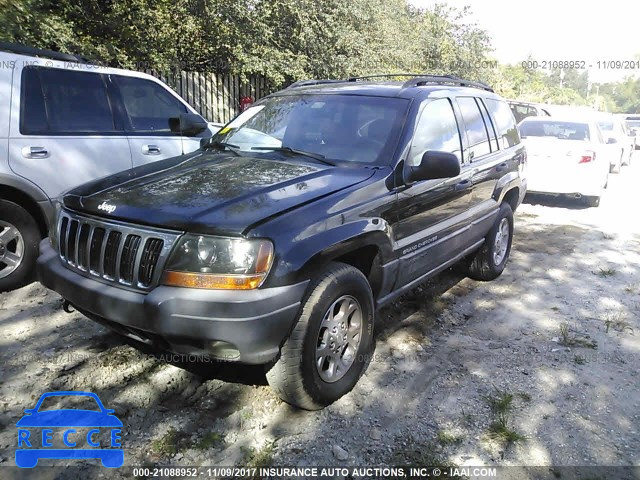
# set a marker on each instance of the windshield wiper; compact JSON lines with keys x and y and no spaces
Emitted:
{"x":221,"y":146}
{"x":302,"y":153}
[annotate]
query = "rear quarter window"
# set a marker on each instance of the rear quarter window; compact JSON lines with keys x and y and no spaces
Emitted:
{"x":504,"y":121}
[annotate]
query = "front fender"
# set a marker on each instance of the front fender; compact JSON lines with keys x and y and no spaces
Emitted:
{"x":306,"y":253}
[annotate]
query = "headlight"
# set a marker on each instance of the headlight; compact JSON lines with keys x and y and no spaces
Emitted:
{"x":200,"y":261}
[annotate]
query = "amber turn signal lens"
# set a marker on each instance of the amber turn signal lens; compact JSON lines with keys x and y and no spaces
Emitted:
{"x":213,"y":280}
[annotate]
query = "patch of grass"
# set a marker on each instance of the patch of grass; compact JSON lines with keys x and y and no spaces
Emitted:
{"x":580,"y":360}
{"x":501,"y":432}
{"x":419,"y":454}
{"x":574,"y":340}
{"x":446,"y":438}
{"x":168,"y":444}
{"x":262,"y":457}
{"x":630,"y":289}
{"x":555,"y":309}
{"x":500,"y":403}
{"x":618,"y":322}
{"x":606,"y":272}
{"x":209,"y":440}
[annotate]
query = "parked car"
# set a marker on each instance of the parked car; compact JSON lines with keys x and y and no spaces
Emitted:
{"x":64,"y":122}
{"x":566,"y":156}
{"x":633,"y":126}
{"x":522,"y":110}
{"x":279,"y":252}
{"x":615,"y":133}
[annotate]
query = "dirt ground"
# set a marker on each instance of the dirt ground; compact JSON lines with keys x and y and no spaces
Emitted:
{"x":539,"y":367}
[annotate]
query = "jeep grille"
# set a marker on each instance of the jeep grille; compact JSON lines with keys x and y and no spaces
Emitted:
{"x":114,"y":252}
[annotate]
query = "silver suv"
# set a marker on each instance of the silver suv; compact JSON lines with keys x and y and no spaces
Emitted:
{"x":63,"y":122}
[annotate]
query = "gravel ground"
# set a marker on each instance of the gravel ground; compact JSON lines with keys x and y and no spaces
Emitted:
{"x":539,"y":367}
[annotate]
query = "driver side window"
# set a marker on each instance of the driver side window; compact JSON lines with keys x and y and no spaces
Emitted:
{"x":437,"y":130}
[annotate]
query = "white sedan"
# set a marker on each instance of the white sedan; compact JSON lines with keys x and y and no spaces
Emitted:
{"x":615,"y":133}
{"x":566,"y":157}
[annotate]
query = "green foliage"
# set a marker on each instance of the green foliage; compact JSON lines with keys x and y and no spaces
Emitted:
{"x":284,"y":40}
{"x":288,"y":40}
{"x":517,"y":82}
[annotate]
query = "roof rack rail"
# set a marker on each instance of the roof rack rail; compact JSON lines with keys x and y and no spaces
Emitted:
{"x":445,"y":79}
{"x":306,"y":83}
{"x":38,"y":52}
{"x":384,"y":75}
{"x":417,"y":80}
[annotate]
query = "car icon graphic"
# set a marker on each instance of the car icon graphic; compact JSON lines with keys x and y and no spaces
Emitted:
{"x":29,"y":451}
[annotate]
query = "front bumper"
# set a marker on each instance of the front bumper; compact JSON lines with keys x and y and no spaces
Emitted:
{"x":248,"y":326}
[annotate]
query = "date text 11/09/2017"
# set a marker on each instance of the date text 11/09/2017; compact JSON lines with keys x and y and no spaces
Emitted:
{"x":582,"y":64}
{"x":312,"y":472}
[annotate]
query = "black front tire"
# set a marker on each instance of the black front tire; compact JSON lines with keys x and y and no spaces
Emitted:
{"x":482,"y":265}
{"x":295,"y":376}
{"x":26,"y":225}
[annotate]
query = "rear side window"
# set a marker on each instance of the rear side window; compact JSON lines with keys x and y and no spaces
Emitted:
{"x":57,"y":101}
{"x":520,"y":112}
{"x":477,"y":134}
{"x":504,"y":121}
{"x":437,"y":130}
{"x":147,"y":104}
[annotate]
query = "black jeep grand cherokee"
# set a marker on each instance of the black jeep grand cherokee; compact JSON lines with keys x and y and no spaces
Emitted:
{"x":277,"y":241}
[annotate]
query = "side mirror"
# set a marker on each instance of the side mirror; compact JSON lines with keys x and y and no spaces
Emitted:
{"x":434,"y":165}
{"x":188,"y":124}
{"x":611,"y":141}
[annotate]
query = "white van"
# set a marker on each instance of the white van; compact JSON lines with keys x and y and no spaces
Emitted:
{"x":65,"y":121}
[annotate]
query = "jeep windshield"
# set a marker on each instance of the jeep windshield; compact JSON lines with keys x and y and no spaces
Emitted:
{"x":350,"y":128}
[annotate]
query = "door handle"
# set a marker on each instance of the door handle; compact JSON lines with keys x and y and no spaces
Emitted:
{"x":501,"y":167}
{"x":35,"y":152}
{"x":151,"y":150}
{"x":463,"y":185}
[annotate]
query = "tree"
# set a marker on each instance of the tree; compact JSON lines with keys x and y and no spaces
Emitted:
{"x":284,"y":40}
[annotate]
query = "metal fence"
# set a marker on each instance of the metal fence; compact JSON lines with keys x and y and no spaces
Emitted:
{"x":216,"y":97}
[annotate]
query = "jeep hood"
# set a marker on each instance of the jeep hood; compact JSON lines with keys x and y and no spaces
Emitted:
{"x":211,"y":193}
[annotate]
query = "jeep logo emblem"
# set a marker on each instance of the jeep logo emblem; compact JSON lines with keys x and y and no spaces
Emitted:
{"x":107,"y":207}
